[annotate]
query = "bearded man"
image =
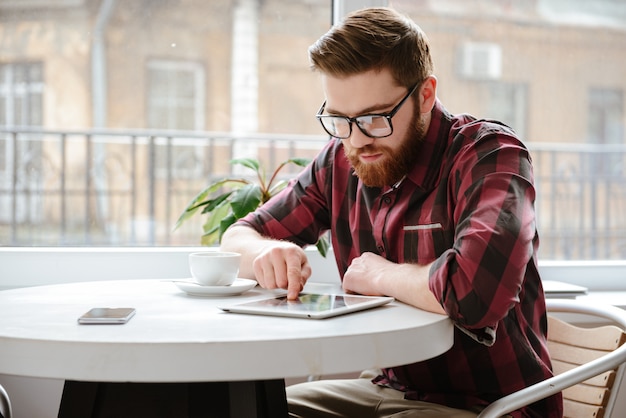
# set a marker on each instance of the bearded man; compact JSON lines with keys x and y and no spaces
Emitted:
{"x":434,"y":209}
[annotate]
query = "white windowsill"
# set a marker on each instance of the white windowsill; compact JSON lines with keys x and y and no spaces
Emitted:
{"x":34,"y":266}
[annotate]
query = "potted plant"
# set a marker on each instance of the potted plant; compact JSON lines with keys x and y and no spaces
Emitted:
{"x":229,"y":199}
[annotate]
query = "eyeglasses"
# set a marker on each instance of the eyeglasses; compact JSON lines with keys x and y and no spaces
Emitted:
{"x":376,"y":125}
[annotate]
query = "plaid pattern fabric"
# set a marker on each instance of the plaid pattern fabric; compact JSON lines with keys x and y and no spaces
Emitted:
{"x":467,"y":205}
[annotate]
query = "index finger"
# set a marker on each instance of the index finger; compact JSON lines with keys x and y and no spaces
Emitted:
{"x":295,"y":281}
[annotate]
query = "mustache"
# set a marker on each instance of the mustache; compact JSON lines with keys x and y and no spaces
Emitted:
{"x":367,"y":149}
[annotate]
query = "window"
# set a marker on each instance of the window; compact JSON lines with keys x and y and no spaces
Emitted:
{"x":142,"y":109}
{"x":21,"y":94}
{"x":606,"y":127}
{"x":21,"y":99}
{"x":140,"y":114}
{"x":175,"y":95}
{"x":508,"y":103}
{"x":21,"y":104}
{"x":176,"y":102}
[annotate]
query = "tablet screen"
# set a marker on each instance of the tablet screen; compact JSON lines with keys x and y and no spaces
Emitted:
{"x":310,"y":305}
{"x":307,"y":302}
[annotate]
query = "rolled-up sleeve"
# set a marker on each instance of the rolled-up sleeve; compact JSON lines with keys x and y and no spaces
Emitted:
{"x":478,"y":280}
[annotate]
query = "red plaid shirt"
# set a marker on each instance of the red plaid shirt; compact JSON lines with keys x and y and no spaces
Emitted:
{"x":467,"y":205}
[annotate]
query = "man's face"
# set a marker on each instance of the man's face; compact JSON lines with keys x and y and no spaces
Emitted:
{"x":377,"y":161}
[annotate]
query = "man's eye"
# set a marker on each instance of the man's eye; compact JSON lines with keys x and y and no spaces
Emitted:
{"x":367,"y":120}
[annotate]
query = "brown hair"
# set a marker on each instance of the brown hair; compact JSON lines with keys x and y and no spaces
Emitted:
{"x":374,"y":39}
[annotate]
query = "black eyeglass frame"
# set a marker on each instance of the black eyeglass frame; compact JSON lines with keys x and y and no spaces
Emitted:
{"x":355,"y":119}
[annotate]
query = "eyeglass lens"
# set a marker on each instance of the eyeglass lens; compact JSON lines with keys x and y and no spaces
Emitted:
{"x":371,"y":125}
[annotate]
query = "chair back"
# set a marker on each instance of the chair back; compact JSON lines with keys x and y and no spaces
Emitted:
{"x":571,"y":346}
{"x":588,"y":363}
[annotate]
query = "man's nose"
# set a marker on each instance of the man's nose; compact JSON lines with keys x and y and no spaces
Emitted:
{"x":358,"y":139}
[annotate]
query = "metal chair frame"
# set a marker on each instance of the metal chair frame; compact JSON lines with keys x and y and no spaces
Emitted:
{"x":5,"y":404}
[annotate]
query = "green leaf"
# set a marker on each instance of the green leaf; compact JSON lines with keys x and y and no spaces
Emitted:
{"x":197,"y":202}
{"x":211,"y":189}
{"x":322,"y":246}
{"x":200,"y":199}
{"x":192,"y":207}
{"x":212,"y":222}
{"x":225,"y":223}
{"x":187,"y":213}
{"x":278,"y":187}
{"x":246,"y":200}
{"x":302,"y":162}
{"x":214,"y":203}
{"x":251,"y":163}
{"x":210,"y":238}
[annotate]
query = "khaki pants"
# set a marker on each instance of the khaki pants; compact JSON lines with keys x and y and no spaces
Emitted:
{"x":360,"y":398}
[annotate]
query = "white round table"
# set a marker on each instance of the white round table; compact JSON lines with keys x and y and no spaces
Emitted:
{"x":179,"y":338}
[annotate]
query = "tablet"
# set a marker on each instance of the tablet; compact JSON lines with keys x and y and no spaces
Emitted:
{"x":562,"y":290}
{"x":309,"y":305}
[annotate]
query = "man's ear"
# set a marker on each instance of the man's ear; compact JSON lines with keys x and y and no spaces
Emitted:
{"x":428,"y":94}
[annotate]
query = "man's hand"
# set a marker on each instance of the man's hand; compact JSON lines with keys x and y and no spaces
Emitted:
{"x":365,"y":273}
{"x":282,"y":265}
{"x":274,"y":264}
{"x":373,"y":275}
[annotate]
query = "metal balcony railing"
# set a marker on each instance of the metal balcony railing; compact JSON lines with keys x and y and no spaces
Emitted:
{"x":127,"y":188}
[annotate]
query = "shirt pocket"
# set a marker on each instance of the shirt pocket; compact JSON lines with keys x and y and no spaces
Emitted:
{"x":425,"y":242}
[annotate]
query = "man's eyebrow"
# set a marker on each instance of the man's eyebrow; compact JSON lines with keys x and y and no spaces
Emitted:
{"x":374,"y":109}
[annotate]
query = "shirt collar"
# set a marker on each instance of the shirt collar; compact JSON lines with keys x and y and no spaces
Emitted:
{"x":425,"y":172}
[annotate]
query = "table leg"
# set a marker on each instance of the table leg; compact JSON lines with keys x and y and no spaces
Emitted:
{"x":254,"y":399}
{"x":258,"y":399}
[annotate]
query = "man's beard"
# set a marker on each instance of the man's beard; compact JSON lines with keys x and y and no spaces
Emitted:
{"x":393,"y":165}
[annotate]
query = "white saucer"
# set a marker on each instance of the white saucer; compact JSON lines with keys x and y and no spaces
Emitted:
{"x":192,"y":288}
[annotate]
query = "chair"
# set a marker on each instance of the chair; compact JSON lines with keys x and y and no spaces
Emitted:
{"x":588,"y":364}
{"x":5,"y":404}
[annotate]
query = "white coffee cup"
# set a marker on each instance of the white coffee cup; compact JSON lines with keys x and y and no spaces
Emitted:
{"x":214,"y":268}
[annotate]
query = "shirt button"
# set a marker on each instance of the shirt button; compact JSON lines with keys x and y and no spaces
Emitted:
{"x":387,"y":200}
{"x":380,"y":249}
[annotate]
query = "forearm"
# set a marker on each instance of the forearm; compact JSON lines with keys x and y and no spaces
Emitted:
{"x":371,"y":274}
{"x":410,"y":285}
{"x":246,"y":241}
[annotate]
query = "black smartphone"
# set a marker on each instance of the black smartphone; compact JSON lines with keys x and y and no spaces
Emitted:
{"x":107,"y":316}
